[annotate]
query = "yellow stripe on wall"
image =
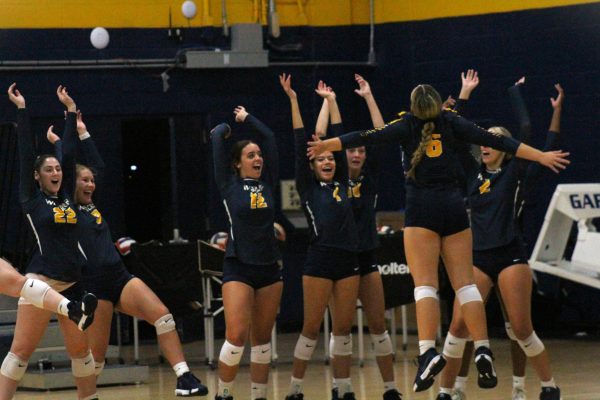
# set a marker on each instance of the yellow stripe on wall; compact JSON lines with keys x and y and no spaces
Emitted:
{"x":155,"y":13}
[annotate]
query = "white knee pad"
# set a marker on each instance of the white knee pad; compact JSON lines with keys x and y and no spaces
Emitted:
{"x":305,"y":348}
{"x":13,"y":367}
{"x":509,"y":332}
{"x":454,"y":347}
{"x":382,"y":344}
{"x":34,"y":291}
{"x":422,"y":292}
{"x":467,"y":294}
{"x":99,"y":367}
{"x":330,"y":345}
{"x":231,"y":355}
{"x":82,"y":367}
{"x":261,"y":354}
{"x":532,"y":346}
{"x":342,"y":345}
{"x":165,"y":324}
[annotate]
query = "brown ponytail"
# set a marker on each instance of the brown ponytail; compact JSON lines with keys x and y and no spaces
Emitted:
{"x":425,"y":104}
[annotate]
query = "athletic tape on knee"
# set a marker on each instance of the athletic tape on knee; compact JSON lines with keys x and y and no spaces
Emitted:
{"x":305,"y":348}
{"x":231,"y":355}
{"x":509,"y":332}
{"x":467,"y":294}
{"x":99,"y":367}
{"x":165,"y":324}
{"x":13,"y":367}
{"x":532,"y":346}
{"x":82,"y":367}
{"x":422,"y":292}
{"x":342,"y":345}
{"x":454,"y":347}
{"x":34,"y":291}
{"x":261,"y":354}
{"x":382,"y":344}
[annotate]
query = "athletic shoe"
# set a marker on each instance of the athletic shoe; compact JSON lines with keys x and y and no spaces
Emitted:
{"x":297,"y":396}
{"x":486,"y":374}
{"x":334,"y":394}
{"x":349,"y":396}
{"x":431,"y":363}
{"x":519,"y":394}
{"x":443,"y":396}
{"x":550,"y":393}
{"x":189,"y":385}
{"x":223,"y":398}
{"x":82,"y":312}
{"x":459,"y":395}
{"x":392,"y":394}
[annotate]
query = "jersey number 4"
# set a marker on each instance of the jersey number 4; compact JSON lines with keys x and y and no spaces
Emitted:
{"x":257,"y":201}
{"x":434,"y":148}
{"x":67,"y":216}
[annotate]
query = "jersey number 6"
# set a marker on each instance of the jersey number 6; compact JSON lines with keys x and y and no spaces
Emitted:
{"x":434,"y":148}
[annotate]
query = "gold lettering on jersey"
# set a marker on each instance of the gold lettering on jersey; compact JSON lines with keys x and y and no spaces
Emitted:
{"x":354,"y":191}
{"x":434,"y":148}
{"x":96,"y":214}
{"x":485,"y":187}
{"x":336,"y":194}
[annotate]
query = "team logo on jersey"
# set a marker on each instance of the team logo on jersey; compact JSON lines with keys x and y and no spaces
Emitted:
{"x":485,"y":186}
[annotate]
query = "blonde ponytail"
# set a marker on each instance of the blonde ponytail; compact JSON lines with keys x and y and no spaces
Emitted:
{"x":426,"y":133}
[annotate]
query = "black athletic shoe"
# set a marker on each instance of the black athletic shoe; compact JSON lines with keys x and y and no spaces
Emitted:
{"x":189,"y":385}
{"x":349,"y":396}
{"x":334,"y":394}
{"x":550,"y":393}
{"x":297,"y":396}
{"x":486,"y":374}
{"x":223,"y":398}
{"x":82,"y":312}
{"x":392,"y":394}
{"x":431,"y":363}
{"x":443,"y":396}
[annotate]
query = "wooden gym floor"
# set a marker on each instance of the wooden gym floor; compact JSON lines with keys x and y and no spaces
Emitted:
{"x":576,"y":366}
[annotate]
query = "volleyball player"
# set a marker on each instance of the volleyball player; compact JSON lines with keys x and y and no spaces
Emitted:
{"x":106,"y":275}
{"x":252,"y":280}
{"x":57,"y":258}
{"x":436,"y":219}
{"x":499,"y":255}
{"x":331,"y":268}
{"x":363,"y":185}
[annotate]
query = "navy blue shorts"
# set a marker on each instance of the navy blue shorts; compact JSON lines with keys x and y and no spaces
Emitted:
{"x":441,"y":210}
{"x":253,"y":275}
{"x":108,"y":286}
{"x":74,"y":292}
{"x":367,"y":262}
{"x":330,"y":263}
{"x":493,"y":261}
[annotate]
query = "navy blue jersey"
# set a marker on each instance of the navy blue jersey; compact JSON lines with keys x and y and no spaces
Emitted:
{"x":96,"y":239}
{"x":326,"y":205}
{"x":362,"y":192}
{"x":54,"y":220}
{"x":439,"y":166}
{"x":249,"y":203}
{"x":494,"y":197}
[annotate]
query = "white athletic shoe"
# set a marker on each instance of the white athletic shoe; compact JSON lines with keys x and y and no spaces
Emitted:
{"x":459,"y":395}
{"x":519,"y":394}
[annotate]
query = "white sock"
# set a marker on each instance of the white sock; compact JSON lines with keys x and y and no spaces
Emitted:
{"x":425,"y":345}
{"x":181,"y":368}
{"x":344,"y":386}
{"x":479,"y":343}
{"x":549,"y":383}
{"x":446,"y":391}
{"x":389,"y":386}
{"x":63,"y":308}
{"x":295,"y":386}
{"x":258,"y":391}
{"x":224,"y":388}
{"x":461,"y":383}
{"x":334,"y":383}
{"x":519,"y":382}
